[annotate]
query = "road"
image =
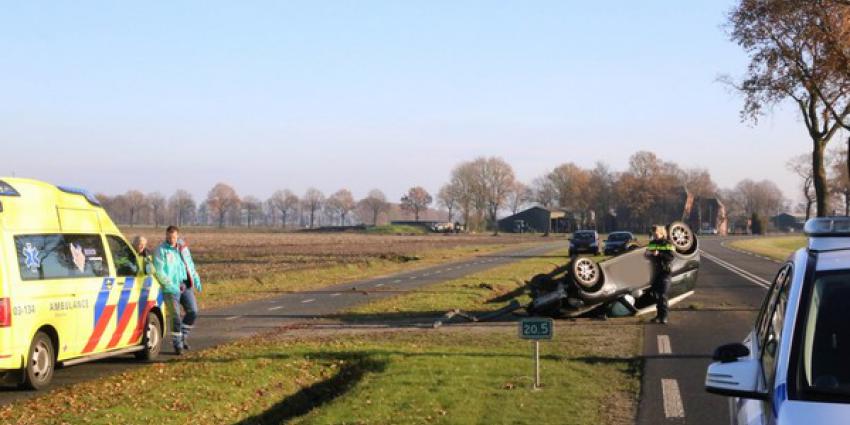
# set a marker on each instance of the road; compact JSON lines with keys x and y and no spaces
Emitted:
{"x":729,"y":293}
{"x":243,"y":320}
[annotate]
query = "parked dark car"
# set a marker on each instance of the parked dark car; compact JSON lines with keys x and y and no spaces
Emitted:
{"x":619,"y":242}
{"x":619,"y":284}
{"x":585,"y":241}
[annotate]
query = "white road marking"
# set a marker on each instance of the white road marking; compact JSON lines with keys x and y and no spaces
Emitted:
{"x":673,"y":301}
{"x":397,"y":281}
{"x":664,"y":344}
{"x":308,"y":300}
{"x":411,"y":278}
{"x":336,"y":294}
{"x":276,"y":308}
{"x":378,"y":285}
{"x":232,"y":317}
{"x":737,"y":270}
{"x":673,"y":407}
{"x":438,"y":272}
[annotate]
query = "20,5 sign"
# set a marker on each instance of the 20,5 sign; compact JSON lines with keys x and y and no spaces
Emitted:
{"x":536,"y":328}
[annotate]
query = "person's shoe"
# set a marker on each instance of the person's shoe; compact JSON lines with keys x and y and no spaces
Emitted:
{"x":178,"y":349}
{"x":185,"y":345}
{"x":663,"y":321}
{"x":655,"y":319}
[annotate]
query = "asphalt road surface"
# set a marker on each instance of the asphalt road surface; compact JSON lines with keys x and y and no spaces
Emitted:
{"x":226,"y":324}
{"x":729,"y":292}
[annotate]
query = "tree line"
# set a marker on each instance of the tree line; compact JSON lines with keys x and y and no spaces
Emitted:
{"x":477,"y":194}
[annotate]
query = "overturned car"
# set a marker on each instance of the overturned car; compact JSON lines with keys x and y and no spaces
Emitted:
{"x":617,"y":286}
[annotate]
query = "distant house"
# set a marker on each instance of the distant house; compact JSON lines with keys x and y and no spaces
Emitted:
{"x":536,"y":220}
{"x":787,"y":222}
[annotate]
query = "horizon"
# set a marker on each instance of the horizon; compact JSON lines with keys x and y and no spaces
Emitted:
{"x":384,"y":96}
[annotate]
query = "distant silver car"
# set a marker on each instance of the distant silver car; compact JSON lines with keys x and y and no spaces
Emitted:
{"x":794,"y":367}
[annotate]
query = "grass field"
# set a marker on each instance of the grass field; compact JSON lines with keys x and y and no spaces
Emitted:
{"x":777,"y":247}
{"x":258,"y":265}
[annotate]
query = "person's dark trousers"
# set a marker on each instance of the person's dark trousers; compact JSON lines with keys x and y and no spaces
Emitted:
{"x":659,"y":289}
{"x":190,"y":306}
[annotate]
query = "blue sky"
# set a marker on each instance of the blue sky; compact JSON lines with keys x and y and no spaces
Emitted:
{"x":268,"y":95}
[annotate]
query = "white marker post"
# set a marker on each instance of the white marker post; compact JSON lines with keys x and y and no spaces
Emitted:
{"x":536,"y":329}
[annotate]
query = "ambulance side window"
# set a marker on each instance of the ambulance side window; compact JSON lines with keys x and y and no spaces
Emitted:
{"x":126,"y":263}
{"x":58,"y":256}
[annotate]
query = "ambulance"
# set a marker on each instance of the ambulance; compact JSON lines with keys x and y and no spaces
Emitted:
{"x":71,"y":288}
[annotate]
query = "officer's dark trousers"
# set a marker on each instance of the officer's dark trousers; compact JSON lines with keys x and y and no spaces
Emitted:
{"x":659,"y":289}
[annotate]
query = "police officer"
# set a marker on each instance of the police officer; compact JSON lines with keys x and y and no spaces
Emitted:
{"x":660,"y":252}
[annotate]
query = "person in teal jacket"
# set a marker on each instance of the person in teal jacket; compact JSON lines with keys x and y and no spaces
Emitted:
{"x":176,"y":273}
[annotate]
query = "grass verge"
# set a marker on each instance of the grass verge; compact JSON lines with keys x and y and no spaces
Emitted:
{"x":396,"y":229}
{"x":229,"y":291}
{"x":454,"y":375}
{"x":477,"y":292}
{"x":776,"y":247}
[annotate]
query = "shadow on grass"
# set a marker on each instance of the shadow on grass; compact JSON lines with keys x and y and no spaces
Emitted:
{"x":320,"y":393}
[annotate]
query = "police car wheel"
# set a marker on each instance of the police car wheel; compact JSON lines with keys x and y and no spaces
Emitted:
{"x":586,"y":273}
{"x":42,"y":362}
{"x":152,"y":339}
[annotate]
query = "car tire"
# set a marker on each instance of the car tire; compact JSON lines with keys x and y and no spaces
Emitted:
{"x":41,"y":362}
{"x":682,"y":237}
{"x":586,"y":273}
{"x":151,"y":339}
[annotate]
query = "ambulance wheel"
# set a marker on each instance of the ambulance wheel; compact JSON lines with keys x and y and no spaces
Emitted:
{"x":42,"y":362}
{"x":152,"y":339}
{"x":681,"y":236}
{"x":586,"y":273}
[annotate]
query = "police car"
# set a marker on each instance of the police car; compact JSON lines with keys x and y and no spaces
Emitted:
{"x":794,"y":367}
{"x":71,"y":288}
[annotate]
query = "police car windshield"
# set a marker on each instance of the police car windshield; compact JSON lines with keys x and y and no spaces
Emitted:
{"x":826,"y":339}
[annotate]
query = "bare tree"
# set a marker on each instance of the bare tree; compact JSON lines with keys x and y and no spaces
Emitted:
{"x":518,"y":197}
{"x":284,"y":202}
{"x":136,"y":203}
{"x":157,"y":206}
{"x":374,"y":204}
{"x":416,"y":200}
{"x":182,"y":206}
{"x":571,"y":184}
{"x":801,"y":165}
{"x":447,"y":198}
{"x":252,"y":207}
{"x":602,"y":181}
{"x":342,"y":203}
{"x":794,"y":55}
{"x":544,"y":192}
{"x":221,"y":200}
{"x":497,"y":182}
{"x":313,"y":201}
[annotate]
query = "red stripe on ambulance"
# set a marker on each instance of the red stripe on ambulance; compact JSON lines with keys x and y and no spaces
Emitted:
{"x":99,"y":328}
{"x":122,"y":324}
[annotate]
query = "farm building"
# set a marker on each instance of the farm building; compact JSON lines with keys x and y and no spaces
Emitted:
{"x":536,"y":220}
{"x":787,"y":223}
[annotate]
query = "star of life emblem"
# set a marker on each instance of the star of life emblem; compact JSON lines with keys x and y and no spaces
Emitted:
{"x":31,"y":257}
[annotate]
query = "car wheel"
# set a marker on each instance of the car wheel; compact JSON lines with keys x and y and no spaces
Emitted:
{"x":586,"y":273}
{"x":41,"y":362}
{"x":152,"y":339}
{"x":682,"y":237}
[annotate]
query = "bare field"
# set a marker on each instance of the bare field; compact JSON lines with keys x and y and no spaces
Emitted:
{"x":266,"y":263}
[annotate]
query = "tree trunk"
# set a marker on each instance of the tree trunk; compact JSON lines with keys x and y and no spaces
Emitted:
{"x":819,"y":174}
{"x":809,"y":203}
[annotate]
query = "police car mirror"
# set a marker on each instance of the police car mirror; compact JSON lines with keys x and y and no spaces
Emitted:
{"x":736,"y":379}
{"x":730,"y":352}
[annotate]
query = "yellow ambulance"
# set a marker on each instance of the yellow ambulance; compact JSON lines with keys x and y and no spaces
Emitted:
{"x":71,"y":287}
